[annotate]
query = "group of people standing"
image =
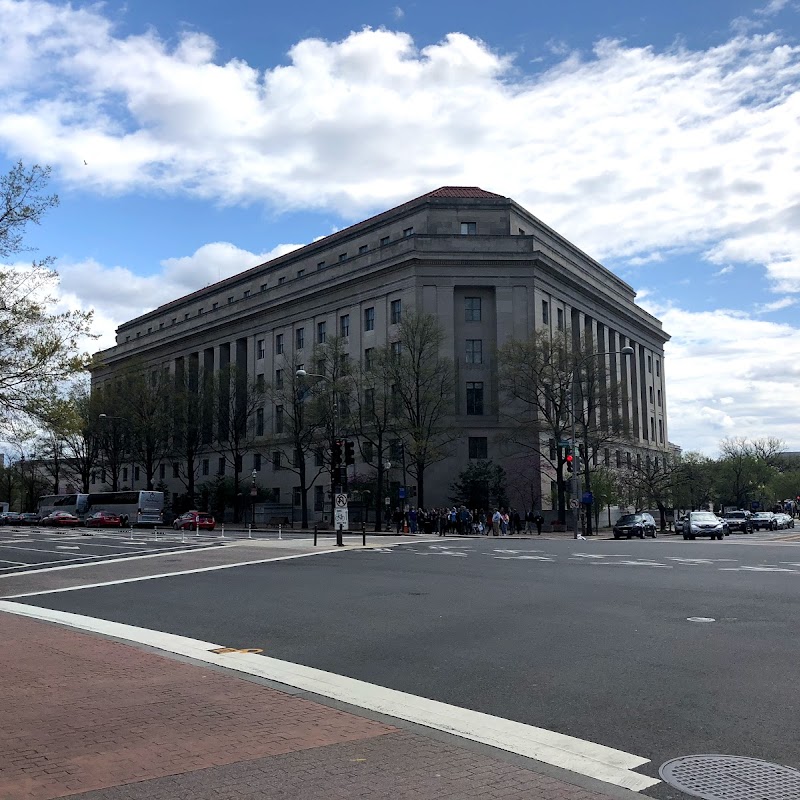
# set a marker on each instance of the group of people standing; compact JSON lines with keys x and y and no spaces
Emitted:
{"x":459,"y":520}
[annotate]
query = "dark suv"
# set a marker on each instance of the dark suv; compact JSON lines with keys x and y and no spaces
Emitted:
{"x":639,"y":525}
{"x":740,"y":521}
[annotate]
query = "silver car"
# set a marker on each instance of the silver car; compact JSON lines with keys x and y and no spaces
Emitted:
{"x":703,"y":523}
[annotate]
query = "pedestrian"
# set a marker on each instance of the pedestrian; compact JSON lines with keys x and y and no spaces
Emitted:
{"x":504,"y":523}
{"x":496,"y":520}
{"x":529,"y":520}
{"x":412,"y":520}
{"x":398,"y":519}
{"x":538,"y":520}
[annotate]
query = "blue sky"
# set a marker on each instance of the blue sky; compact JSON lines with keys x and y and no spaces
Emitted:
{"x":661,"y":138}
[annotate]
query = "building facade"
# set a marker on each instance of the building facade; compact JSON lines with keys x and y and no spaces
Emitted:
{"x":483,"y":265}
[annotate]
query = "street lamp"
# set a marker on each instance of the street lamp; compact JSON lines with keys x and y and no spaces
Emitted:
{"x":253,"y":492}
{"x":627,"y":352}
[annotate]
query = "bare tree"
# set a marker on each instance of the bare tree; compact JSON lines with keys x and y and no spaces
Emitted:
{"x":83,"y":436}
{"x":651,"y":481}
{"x":423,"y":383}
{"x":192,"y":406}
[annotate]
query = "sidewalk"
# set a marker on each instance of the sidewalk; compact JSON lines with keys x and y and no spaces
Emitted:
{"x":95,"y":719}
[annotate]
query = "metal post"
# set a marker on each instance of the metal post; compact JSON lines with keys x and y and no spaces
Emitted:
{"x":575,"y":456}
{"x":315,"y":535}
{"x":339,"y":542}
{"x":249,"y":531}
{"x":223,"y":530}
{"x":279,"y":531}
{"x":363,"y":534}
{"x":131,"y":532}
{"x":183,"y":534}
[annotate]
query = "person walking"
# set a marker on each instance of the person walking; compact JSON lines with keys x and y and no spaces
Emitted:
{"x":538,"y":520}
{"x":496,"y":520}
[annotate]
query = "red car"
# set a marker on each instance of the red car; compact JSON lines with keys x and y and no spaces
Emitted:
{"x":194,"y":521}
{"x":61,"y":519}
{"x":103,"y":519}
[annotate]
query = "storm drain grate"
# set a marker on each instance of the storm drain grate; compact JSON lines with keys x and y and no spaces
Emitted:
{"x":716,"y":777}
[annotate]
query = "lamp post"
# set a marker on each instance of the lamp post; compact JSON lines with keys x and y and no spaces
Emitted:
{"x":253,"y":492}
{"x":627,"y":352}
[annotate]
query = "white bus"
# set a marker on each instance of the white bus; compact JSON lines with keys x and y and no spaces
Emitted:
{"x":134,"y":507}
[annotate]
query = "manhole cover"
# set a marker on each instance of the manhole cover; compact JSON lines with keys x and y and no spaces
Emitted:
{"x":716,"y":777}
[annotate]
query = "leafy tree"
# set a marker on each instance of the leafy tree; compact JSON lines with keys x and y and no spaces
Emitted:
{"x":38,"y":349}
{"x":236,"y":403}
{"x":651,"y":481}
{"x":539,"y":375}
{"x":607,"y":491}
{"x":423,"y":383}
{"x":56,"y":419}
{"x":83,"y":435}
{"x":745,"y":467}
{"x":373,"y":419}
{"x":694,"y":481}
{"x":113,"y":430}
{"x":482,"y":484}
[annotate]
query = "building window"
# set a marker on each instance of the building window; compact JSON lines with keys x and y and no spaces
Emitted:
{"x":263,"y":287}
{"x":279,"y":379}
{"x":136,"y":473}
{"x":396,"y":449}
{"x":408,"y":232}
{"x":162,"y":471}
{"x":260,"y":349}
{"x":259,"y":422}
{"x":628,"y":460}
{"x":474,"y":397}
{"x":174,"y":320}
{"x":321,"y":327}
{"x":321,"y":366}
{"x":260,"y":382}
{"x":560,"y":319}
{"x":204,"y":466}
{"x":606,"y":457}
{"x":221,"y":465}
{"x":652,"y":429}
{"x":469,"y":228}
{"x":396,"y":311}
{"x":176,"y":470}
{"x":658,"y":368}
{"x":319,"y":457}
{"x":319,"y":498}
{"x":474,"y":351}
{"x":342,"y":256}
{"x":300,"y":273}
{"x":369,"y":318}
{"x":199,"y":313}
{"x":618,"y":458}
{"x":279,"y":344}
{"x":279,"y":419}
{"x":297,"y":496}
{"x":246,"y":293}
{"x":545,"y":312}
{"x":257,"y":462}
{"x":185,"y":316}
{"x":478,"y":447}
{"x":230,"y":299}
{"x":520,"y":231}
{"x":299,"y":338}
{"x":659,"y":398}
{"x":363,"y":248}
{"x":281,"y":280}
{"x":124,"y":474}
{"x":651,"y":394}
{"x":661,"y":431}
{"x":94,"y":478}
{"x":396,"y":349}
{"x":368,"y":353}
{"x":276,"y":460}
{"x":649,"y":363}
{"x":344,"y":326}
{"x":384,"y":241}
{"x":472,"y":309}
{"x":214,"y":306}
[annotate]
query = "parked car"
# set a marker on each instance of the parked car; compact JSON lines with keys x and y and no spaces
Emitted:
{"x":639,"y":525}
{"x":764,"y":520}
{"x":103,"y":519}
{"x":784,"y":520}
{"x":29,"y":518}
{"x":10,"y":518}
{"x":61,"y":519}
{"x":739,"y":521}
{"x":194,"y":520}
{"x":703,"y":523}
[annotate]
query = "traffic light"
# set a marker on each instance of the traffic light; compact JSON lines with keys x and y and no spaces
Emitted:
{"x":570,"y":462}
{"x":349,"y":453}
{"x":336,"y":455}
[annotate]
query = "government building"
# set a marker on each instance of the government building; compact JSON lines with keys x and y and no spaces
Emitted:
{"x":484,"y":266}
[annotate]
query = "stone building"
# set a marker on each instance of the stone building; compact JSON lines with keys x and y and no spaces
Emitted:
{"x":487,"y":268}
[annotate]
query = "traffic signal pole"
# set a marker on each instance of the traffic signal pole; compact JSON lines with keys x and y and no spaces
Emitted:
{"x":576,"y":467}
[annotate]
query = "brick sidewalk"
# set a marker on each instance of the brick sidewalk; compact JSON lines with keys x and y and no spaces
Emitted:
{"x":88,"y":717}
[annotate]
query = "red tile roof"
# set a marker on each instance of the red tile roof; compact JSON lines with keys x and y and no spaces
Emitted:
{"x":460,"y":191}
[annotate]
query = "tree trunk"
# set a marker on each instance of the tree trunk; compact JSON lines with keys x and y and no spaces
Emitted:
{"x":379,"y":494}
{"x":420,"y":485}
{"x":587,"y":487}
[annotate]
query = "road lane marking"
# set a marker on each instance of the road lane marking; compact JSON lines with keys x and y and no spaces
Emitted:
{"x":6,"y":561}
{"x":568,"y":752}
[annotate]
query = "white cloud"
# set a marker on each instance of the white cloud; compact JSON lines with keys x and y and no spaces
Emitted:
{"x":398,"y":12}
{"x":642,"y":150}
{"x":724,"y":271}
{"x":725,"y":372}
{"x":776,"y":305}
{"x":650,"y":258}
{"x":772,"y":7}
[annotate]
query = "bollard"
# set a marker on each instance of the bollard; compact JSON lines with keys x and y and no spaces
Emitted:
{"x":315,"y":536}
{"x":183,"y":534}
{"x":279,"y":532}
{"x":131,"y":532}
{"x":155,"y":533}
{"x":339,"y":542}
{"x":223,"y":530}
{"x":363,"y":535}
{"x":249,"y":531}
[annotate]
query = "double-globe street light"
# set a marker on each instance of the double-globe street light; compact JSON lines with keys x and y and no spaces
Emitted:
{"x":627,"y":352}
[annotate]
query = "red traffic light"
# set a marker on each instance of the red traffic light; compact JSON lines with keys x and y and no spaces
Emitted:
{"x":569,"y":458}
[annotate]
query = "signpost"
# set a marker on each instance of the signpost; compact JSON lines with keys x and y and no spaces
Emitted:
{"x":340,"y":517}
{"x":573,"y":503}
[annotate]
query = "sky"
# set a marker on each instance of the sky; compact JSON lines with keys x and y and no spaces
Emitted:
{"x":192,"y":140}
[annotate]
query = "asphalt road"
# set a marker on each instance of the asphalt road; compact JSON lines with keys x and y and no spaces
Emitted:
{"x":587,"y":638}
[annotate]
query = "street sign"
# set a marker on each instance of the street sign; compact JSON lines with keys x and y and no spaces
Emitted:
{"x":573,"y":503}
{"x":564,"y":443}
{"x":401,"y":492}
{"x":340,"y":517}
{"x":588,"y":498}
{"x":341,"y":501}
{"x":387,"y":501}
